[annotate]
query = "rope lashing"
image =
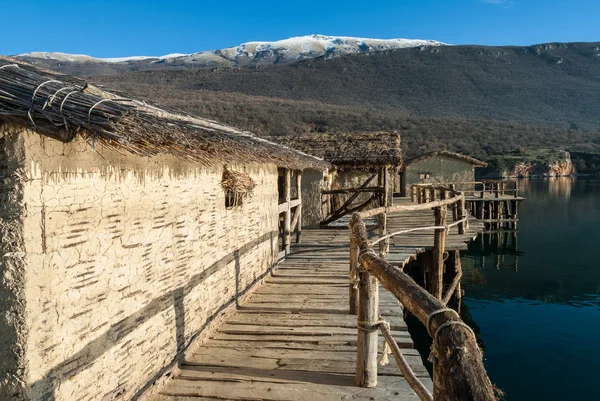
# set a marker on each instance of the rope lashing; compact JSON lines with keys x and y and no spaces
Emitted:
{"x":51,"y":98}
{"x":369,"y":326}
{"x":387,"y":349}
{"x":365,"y":251}
{"x":30,"y":111}
{"x":93,"y":107}
{"x":434,"y":346}
{"x":40,"y":86}
{"x":437,"y":312}
{"x":62,"y":104}
{"x":8,"y":65}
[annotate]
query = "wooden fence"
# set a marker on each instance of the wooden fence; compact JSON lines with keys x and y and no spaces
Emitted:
{"x":481,"y":189}
{"x":458,"y":372}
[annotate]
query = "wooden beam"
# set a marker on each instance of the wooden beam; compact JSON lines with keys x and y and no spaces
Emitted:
{"x":368,"y":330}
{"x":406,"y":208}
{"x":299,"y":207}
{"x":384,"y":245}
{"x":439,"y":244}
{"x":352,"y":190}
{"x":352,"y":275}
{"x":460,"y":208}
{"x":288,"y":216}
{"x":342,"y":213}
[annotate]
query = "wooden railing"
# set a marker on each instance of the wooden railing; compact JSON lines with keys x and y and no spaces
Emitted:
{"x":291,"y":209}
{"x":482,"y":189}
{"x":458,"y":371}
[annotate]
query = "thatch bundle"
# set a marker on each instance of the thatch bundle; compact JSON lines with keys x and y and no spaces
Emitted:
{"x":237,"y":181}
{"x":349,"y":149}
{"x":48,"y":105}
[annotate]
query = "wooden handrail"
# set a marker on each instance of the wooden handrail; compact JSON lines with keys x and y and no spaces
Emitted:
{"x":424,"y":192}
{"x":459,"y":373}
{"x":406,"y":208}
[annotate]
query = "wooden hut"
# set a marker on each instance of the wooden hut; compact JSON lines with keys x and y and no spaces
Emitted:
{"x":437,"y":167}
{"x":363,"y":164}
{"x":126,"y":231}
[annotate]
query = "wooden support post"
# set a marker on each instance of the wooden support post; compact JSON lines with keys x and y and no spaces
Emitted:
{"x":461,"y":214}
{"x":458,"y":269}
{"x":413,"y":194}
{"x":353,"y":274}
{"x":299,"y":210}
{"x":439,"y":244}
{"x":368,"y":313}
{"x":384,"y":245}
{"x":516,"y":189}
{"x":288,"y":212}
{"x":454,"y":260}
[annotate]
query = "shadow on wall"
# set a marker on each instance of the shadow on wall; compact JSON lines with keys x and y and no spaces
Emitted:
{"x":45,"y":388}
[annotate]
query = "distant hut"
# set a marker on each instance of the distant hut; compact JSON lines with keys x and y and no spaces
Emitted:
{"x":364,"y":164}
{"x":125,"y":230}
{"x":438,"y":166}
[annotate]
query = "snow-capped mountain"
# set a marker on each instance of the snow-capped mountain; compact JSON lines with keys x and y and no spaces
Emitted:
{"x":248,"y":54}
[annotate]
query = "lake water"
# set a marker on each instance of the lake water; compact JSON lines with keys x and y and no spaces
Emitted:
{"x":534,"y":300}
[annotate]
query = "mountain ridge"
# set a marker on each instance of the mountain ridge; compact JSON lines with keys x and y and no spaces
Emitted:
{"x":248,"y":54}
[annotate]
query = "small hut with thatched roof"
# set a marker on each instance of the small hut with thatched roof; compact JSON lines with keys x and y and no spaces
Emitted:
{"x":125,"y":230}
{"x":363,"y":165}
{"x":438,"y":166}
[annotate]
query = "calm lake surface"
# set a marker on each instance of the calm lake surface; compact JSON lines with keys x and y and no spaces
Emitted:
{"x":534,"y":300}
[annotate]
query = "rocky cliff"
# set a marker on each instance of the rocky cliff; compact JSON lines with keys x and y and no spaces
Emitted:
{"x":556,"y":167}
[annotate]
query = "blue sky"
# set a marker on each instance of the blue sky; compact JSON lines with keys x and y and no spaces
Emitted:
{"x":115,"y":28}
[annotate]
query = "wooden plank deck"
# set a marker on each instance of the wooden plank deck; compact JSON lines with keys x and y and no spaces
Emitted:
{"x":294,"y":339}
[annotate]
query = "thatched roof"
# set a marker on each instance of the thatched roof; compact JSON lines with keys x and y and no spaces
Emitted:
{"x":354,"y":149}
{"x":62,"y":107}
{"x":473,"y":161}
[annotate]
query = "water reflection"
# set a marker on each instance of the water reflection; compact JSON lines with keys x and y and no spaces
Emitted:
{"x":535,"y":295}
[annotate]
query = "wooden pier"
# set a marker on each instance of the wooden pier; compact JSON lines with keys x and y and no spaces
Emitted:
{"x":495,"y":203}
{"x":295,"y":338}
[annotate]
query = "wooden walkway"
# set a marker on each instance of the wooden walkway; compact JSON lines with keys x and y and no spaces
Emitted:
{"x":294,"y":339}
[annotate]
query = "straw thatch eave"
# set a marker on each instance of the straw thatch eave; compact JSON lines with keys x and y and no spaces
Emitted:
{"x":349,"y":150}
{"x":63,"y":107}
{"x":458,"y":156}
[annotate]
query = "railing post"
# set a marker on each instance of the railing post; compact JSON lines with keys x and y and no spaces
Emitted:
{"x":516,"y":189}
{"x":288,"y":212}
{"x":413,"y":193}
{"x":299,"y":188}
{"x":368,"y":330}
{"x":353,"y":273}
{"x":439,"y":244}
{"x":384,"y":245}
{"x":461,"y":215}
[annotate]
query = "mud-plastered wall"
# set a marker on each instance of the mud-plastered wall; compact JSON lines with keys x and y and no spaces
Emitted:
{"x":126,"y":260}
